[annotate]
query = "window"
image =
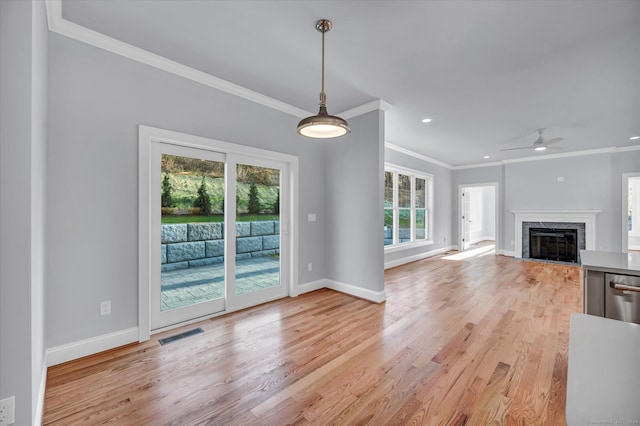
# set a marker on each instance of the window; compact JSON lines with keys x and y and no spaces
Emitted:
{"x":407,"y":207}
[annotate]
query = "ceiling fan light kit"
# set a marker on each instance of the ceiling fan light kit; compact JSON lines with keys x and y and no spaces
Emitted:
{"x":323,"y":125}
{"x":539,"y":144}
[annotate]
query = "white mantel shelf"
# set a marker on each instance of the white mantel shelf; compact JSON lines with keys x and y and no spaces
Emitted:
{"x":588,"y":217}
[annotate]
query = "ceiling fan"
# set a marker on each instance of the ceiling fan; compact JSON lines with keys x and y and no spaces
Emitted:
{"x":539,"y":144}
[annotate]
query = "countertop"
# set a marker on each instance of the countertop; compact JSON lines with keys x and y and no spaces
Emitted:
{"x":603,"y":373}
{"x":610,"y":261}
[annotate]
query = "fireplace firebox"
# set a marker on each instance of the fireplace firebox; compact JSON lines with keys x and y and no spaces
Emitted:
{"x":553,"y":244}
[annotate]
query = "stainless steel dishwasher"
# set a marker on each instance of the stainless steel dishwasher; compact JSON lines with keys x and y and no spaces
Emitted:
{"x":622,"y":297}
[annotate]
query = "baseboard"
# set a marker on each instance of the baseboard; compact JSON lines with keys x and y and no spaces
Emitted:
{"x":312,"y":286}
{"x":409,"y":259}
{"x":506,"y":253}
{"x":37,"y":420}
{"x":93,"y":345}
{"x":362,"y":293}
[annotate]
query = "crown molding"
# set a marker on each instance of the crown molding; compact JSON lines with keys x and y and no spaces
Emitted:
{"x":406,"y":151}
{"x":77,"y":32}
{"x":478,"y":165}
{"x":607,"y":150}
{"x":374,"y":105}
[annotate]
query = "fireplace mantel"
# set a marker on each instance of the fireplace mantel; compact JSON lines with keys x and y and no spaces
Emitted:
{"x":588,"y":217}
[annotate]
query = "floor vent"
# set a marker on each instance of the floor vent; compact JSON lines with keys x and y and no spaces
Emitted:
{"x":181,"y":336}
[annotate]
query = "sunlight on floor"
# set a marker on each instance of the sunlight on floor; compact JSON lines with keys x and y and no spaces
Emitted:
{"x":481,"y":251}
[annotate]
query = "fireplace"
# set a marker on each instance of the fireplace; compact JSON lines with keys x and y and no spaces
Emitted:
{"x":555,"y":241}
{"x":560,"y":245}
{"x":583,"y":221}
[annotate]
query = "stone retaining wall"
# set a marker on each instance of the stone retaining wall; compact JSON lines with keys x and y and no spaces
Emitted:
{"x":197,"y":244}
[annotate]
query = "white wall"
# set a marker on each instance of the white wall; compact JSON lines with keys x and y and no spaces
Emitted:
{"x":23,"y":114}
{"x":482,"y":215}
{"x":443,"y":216}
{"x":488,"y":213}
{"x":97,"y":100}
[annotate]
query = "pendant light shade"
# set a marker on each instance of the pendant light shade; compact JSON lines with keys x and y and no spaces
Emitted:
{"x":323,"y":125}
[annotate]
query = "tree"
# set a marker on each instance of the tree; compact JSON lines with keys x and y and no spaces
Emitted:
{"x":253,"y":207}
{"x":167,"y":200}
{"x":203,"y":201}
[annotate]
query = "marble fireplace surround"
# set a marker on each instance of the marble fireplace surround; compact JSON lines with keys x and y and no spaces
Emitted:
{"x":588,"y":217}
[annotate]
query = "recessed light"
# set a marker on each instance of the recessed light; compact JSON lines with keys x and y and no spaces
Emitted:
{"x":426,"y":120}
{"x":633,"y":138}
{"x":486,"y":156}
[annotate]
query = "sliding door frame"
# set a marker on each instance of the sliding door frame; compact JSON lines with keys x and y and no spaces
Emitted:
{"x":147,"y":136}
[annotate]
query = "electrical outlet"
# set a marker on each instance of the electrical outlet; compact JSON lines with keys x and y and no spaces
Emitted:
{"x":310,"y":267}
{"x":8,"y":411}
{"x":105,"y":307}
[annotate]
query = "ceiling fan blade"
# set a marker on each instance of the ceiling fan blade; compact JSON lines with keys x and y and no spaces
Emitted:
{"x":552,"y":141}
{"x":513,"y":149}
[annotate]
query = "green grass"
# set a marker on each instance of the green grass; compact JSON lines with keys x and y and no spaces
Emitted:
{"x":217,"y":218}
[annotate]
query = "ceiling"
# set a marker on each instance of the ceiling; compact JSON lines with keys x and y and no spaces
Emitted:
{"x":488,"y":73}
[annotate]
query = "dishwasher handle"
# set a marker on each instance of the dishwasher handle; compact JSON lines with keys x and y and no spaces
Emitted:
{"x":624,"y":287}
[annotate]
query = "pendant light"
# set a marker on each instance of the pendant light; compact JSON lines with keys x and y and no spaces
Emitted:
{"x":323,"y":125}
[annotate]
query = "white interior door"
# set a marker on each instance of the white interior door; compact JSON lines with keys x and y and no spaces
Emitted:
{"x":465,"y":224}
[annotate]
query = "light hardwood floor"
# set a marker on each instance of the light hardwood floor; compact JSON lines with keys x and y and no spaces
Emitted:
{"x":461,"y":339}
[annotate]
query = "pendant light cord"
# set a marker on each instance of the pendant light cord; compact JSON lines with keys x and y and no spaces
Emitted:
{"x":323,"y":96}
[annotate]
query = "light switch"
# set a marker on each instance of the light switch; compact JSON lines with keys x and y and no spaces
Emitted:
{"x":311,"y":217}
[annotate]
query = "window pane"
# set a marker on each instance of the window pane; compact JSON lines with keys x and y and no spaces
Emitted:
{"x":257,"y":208}
{"x":388,"y":226}
{"x":192,"y":191}
{"x":421,"y":193}
{"x":404,"y":191}
{"x":421,"y":227}
{"x":405,"y":225}
{"x":388,"y":189}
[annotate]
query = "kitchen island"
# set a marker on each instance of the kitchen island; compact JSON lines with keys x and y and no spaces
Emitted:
{"x":603,"y":373}
{"x":611,"y":283}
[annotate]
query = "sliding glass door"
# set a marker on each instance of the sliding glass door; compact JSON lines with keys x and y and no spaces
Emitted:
{"x":258,"y":192}
{"x":215,"y":234}
{"x":189,"y":279}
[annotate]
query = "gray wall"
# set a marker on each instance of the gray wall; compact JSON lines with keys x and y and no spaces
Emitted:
{"x":591,"y":182}
{"x":354,"y":209}
{"x":97,"y":99}
{"x":443,"y":194}
{"x":23,"y":68}
{"x":588,"y":185}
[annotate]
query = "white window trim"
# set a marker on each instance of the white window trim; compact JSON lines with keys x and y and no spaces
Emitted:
{"x":389,"y":167}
